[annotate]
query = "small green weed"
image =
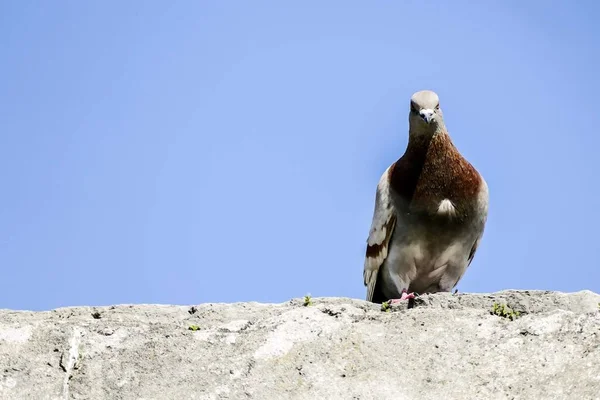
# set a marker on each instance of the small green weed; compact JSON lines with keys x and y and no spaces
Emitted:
{"x":194,"y":327}
{"x":308,"y":300}
{"x":385,"y":306}
{"x":504,"y":311}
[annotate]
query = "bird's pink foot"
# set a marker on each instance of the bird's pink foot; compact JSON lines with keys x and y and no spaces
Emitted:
{"x":405,"y":296}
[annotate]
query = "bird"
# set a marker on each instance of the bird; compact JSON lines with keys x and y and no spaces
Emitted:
{"x":431,"y":207}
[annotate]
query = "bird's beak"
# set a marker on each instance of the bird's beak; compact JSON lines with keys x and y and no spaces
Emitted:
{"x":427,"y":115}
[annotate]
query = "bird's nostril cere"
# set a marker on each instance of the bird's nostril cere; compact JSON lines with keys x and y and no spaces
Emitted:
{"x":426,"y":115}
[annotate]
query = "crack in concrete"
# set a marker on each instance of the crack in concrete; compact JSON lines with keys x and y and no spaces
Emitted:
{"x":72,"y":358}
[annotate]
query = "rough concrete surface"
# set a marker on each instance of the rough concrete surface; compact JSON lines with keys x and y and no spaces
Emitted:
{"x":445,"y":347}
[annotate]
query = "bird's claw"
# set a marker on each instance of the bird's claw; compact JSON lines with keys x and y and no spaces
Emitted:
{"x":405,"y":296}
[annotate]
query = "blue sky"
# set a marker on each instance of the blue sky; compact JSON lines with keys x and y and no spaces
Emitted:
{"x":190,"y":152}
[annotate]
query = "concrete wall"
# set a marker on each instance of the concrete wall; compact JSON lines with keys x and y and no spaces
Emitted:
{"x":445,"y":347}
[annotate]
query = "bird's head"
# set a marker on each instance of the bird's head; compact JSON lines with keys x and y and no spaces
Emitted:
{"x":425,"y":117}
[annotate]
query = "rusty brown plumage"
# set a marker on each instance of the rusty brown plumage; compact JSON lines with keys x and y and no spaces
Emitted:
{"x":433,"y":169}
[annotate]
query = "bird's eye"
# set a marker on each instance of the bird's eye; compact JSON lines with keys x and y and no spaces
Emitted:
{"x":437,"y":107}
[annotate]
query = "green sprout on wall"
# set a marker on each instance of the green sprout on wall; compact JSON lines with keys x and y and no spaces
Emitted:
{"x":307,"y":300}
{"x":194,"y":327}
{"x":504,"y":311}
{"x":385,"y":306}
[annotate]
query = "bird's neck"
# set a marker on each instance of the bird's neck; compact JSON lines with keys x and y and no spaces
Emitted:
{"x":408,"y":170}
{"x":419,"y":142}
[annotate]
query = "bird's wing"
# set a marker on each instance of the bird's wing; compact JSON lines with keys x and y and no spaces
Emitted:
{"x":483,"y":200}
{"x":473,"y":250}
{"x":382,"y":227}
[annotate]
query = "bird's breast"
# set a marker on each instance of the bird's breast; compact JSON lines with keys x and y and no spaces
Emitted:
{"x":434,"y":180}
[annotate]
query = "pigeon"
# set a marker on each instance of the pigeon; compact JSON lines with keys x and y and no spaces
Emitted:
{"x":431,"y":208}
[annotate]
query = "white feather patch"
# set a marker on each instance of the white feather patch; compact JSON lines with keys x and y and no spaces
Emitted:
{"x":378,"y":233}
{"x":446,"y":208}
